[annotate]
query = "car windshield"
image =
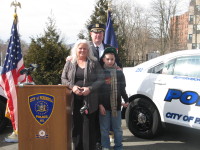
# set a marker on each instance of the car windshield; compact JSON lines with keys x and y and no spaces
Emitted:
{"x":183,"y":66}
{"x":188,"y":66}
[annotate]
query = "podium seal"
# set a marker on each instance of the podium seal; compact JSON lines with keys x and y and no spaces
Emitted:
{"x":41,"y":107}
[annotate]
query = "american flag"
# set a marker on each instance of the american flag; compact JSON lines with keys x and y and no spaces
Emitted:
{"x":10,"y":75}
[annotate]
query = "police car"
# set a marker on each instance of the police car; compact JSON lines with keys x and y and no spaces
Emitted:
{"x":163,"y":90}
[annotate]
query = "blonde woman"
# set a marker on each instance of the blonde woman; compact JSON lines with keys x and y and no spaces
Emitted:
{"x":83,"y":75}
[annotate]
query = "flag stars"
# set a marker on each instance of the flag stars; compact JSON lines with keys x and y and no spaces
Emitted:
{"x":13,"y":55}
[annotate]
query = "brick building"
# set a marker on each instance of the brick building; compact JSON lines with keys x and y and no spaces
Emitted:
{"x":194,"y":25}
{"x":185,"y":28}
{"x":179,"y":32}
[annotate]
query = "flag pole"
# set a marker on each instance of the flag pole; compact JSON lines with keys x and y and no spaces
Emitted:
{"x":28,"y":77}
{"x":10,"y":75}
{"x":110,"y":37}
{"x":15,"y":4}
{"x":109,"y":7}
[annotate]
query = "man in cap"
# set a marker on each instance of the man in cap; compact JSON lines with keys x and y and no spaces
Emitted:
{"x":97,"y":36}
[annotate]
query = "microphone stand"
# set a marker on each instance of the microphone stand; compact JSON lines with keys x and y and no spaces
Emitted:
{"x":27,"y":72}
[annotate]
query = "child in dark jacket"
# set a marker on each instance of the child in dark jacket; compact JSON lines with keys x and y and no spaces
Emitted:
{"x":110,"y":101}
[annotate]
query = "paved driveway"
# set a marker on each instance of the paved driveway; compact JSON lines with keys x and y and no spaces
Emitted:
{"x":172,"y":138}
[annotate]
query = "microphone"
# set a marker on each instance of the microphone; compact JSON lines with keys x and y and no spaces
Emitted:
{"x":33,"y":67}
{"x":27,"y":71}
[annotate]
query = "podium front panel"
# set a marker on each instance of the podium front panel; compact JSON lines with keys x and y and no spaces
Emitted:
{"x":44,"y":117}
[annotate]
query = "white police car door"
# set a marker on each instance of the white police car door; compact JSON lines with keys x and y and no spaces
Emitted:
{"x":176,"y":91}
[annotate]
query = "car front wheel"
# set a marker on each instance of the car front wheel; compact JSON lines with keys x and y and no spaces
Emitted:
{"x":143,"y":119}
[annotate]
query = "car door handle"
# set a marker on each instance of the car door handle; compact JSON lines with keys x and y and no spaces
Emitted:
{"x":160,"y":82}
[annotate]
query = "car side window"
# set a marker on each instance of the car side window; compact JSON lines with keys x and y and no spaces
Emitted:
{"x":156,"y":69}
{"x":169,"y":67}
{"x":188,"y":66}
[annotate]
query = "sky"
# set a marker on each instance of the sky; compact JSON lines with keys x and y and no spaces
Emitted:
{"x":70,"y":17}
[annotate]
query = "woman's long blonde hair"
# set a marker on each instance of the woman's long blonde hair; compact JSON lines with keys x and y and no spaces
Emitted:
{"x":75,"y":48}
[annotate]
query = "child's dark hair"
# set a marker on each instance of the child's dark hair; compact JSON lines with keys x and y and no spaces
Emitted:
{"x":109,"y":50}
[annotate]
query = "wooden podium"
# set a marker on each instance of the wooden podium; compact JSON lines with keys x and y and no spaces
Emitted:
{"x":44,"y":117}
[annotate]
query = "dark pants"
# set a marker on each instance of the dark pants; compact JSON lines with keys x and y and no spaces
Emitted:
{"x":98,"y":133}
{"x":84,"y":128}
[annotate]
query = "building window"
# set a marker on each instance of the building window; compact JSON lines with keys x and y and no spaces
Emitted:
{"x":191,"y":19}
{"x":190,"y":37}
{"x":198,"y":8}
{"x":198,"y":45}
{"x":194,"y":28}
{"x":193,"y":46}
